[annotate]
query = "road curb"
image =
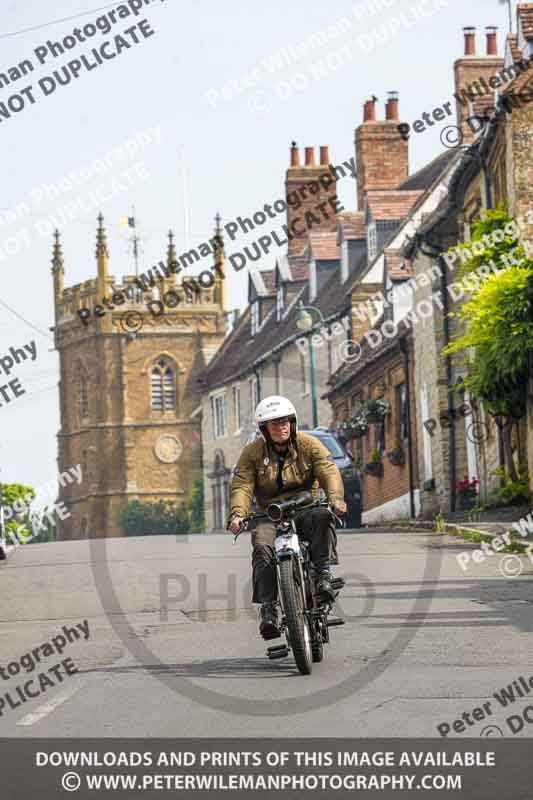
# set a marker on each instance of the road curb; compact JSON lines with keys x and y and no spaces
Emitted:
{"x":454,"y":529}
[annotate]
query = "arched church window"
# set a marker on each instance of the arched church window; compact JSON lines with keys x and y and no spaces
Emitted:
{"x":163,"y":386}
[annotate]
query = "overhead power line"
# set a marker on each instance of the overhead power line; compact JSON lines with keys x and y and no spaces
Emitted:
{"x":12,"y":310}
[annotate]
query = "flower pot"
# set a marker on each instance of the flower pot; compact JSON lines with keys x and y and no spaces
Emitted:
{"x":374,"y":469}
{"x":374,"y":419}
{"x":358,"y":433}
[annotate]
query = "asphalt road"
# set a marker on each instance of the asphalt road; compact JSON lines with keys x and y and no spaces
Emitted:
{"x":173,"y":649}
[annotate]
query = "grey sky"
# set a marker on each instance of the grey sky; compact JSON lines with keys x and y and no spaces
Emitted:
{"x":236,"y":153}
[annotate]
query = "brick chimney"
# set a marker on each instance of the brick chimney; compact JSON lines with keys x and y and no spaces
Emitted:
{"x":472,"y":72}
{"x":381,"y":153}
{"x":306,"y":187}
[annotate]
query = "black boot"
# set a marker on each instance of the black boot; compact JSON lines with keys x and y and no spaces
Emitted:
{"x":324,"y":589}
{"x":3,"y":554}
{"x":269,"y":622}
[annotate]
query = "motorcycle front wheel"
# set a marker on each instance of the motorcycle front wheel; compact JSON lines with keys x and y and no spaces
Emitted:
{"x":297,"y":624}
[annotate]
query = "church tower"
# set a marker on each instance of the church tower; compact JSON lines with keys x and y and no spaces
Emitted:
{"x":130,"y":356}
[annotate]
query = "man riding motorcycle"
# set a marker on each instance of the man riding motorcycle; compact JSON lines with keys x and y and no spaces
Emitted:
{"x":275,"y":467}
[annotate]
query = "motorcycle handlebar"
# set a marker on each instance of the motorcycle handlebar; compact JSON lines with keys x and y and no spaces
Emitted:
{"x":277,"y":511}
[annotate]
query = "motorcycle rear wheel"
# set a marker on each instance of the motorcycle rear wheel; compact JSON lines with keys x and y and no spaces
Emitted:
{"x":297,"y":624}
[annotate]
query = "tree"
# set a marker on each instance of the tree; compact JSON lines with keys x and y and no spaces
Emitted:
{"x":44,"y":528}
{"x":195,"y":504}
{"x":153,"y":519}
{"x":498,"y":332}
{"x":16,"y":499}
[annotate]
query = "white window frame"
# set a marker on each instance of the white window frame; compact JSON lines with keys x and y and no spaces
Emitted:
{"x":372,"y":241}
{"x":220,"y":415}
{"x":279,"y":303}
{"x":254,"y":315}
{"x":253,"y":385}
{"x":344,"y":261}
{"x":237,"y":408}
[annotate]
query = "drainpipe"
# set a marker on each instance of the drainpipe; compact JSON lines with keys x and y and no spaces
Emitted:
{"x":452,"y":468}
{"x":259,"y":387}
{"x":405,"y":352}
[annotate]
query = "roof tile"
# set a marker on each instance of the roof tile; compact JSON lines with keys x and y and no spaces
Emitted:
{"x":353,"y":225}
{"x":392,"y":203}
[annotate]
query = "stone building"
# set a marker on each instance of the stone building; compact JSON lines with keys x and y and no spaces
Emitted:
{"x":496,"y":167}
{"x":128,"y":387}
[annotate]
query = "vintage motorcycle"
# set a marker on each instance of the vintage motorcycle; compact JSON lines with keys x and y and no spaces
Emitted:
{"x":305,"y":617}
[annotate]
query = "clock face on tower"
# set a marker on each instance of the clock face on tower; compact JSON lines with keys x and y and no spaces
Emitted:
{"x":168,"y":449}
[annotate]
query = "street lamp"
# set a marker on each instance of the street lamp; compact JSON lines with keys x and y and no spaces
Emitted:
{"x":304,"y":321}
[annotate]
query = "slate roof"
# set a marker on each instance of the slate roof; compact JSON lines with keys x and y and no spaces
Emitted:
{"x":426,"y":176}
{"x":240,"y":350}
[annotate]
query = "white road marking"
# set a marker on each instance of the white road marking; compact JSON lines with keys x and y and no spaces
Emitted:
{"x":47,"y":708}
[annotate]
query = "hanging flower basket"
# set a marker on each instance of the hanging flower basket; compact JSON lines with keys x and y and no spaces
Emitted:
{"x":375,"y":469}
{"x":397,"y":455}
{"x":354,"y":428}
{"x":375,"y":411}
{"x":375,"y":465}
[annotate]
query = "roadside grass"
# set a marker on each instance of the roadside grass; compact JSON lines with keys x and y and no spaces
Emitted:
{"x":516,"y":546}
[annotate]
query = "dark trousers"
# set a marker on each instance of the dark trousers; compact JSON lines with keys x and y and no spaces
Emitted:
{"x":316,"y":526}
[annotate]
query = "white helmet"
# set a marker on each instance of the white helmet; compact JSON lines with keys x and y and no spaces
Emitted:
{"x":274,"y":407}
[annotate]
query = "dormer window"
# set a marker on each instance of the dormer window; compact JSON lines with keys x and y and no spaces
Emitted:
{"x":372,"y":241}
{"x":279,"y":303}
{"x":254,"y":311}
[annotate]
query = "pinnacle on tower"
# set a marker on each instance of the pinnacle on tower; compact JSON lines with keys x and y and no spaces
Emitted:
{"x":219,"y":262}
{"x":58,"y":268}
{"x":219,"y":241}
{"x":101,"y":238}
{"x":57,"y":254}
{"x":171,"y":250}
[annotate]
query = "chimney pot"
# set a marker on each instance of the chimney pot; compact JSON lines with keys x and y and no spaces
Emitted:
{"x":309,"y":156}
{"x":492,"y":45}
{"x":295,"y":155}
{"x":391,"y":108}
{"x":324,"y":155}
{"x":369,"y":111}
{"x":470,"y":40}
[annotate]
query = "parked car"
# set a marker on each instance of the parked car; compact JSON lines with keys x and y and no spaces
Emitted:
{"x":350,"y":475}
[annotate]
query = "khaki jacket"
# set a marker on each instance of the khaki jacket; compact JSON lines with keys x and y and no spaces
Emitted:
{"x":307,"y":466}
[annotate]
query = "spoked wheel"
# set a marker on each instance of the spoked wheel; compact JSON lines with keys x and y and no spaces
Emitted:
{"x":297,"y":624}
